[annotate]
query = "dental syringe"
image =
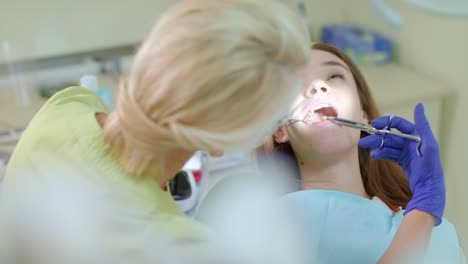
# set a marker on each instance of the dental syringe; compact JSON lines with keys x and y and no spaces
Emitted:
{"x":368,"y":128}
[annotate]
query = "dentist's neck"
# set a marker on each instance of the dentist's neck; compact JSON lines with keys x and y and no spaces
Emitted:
{"x":338,"y":173}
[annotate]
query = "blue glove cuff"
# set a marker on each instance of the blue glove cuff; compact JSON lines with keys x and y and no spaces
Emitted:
{"x":411,"y":206}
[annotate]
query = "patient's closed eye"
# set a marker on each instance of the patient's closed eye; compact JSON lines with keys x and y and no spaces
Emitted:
{"x":336,"y":76}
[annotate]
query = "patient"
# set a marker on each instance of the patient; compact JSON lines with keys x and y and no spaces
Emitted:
{"x":351,"y":198}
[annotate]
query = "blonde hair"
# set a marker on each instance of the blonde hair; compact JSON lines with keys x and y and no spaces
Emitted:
{"x":210,"y":76}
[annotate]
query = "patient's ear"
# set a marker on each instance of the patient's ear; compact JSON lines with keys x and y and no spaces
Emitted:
{"x":281,"y":135}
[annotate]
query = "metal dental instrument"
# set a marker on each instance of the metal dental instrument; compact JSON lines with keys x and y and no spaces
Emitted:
{"x":306,"y":119}
{"x":368,"y":128}
{"x":372,"y":130}
{"x":360,"y":126}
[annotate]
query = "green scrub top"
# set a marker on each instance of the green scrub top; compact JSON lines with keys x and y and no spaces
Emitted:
{"x":63,"y":146}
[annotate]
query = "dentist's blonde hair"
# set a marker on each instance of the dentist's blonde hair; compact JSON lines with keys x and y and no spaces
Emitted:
{"x":212,"y":75}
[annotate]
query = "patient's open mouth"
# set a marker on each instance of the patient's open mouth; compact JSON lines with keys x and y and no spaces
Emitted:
{"x":316,"y":114}
{"x":326,"y":111}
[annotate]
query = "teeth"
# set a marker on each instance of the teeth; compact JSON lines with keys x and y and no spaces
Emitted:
{"x":320,"y":106}
{"x":308,"y":117}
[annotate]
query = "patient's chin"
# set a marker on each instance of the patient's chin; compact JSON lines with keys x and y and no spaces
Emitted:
{"x":325,"y":146}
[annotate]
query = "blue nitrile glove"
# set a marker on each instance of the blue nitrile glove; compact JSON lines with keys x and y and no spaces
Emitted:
{"x":424,"y":173}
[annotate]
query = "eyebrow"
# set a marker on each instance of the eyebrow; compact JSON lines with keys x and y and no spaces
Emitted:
{"x":335,"y":63}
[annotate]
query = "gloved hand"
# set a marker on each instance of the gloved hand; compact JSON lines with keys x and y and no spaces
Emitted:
{"x":424,"y":173}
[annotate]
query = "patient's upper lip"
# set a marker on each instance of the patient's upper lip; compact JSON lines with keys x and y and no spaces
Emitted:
{"x":320,"y":106}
